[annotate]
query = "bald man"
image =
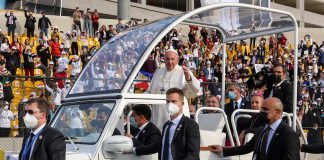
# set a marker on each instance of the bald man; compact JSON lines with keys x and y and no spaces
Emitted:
{"x":275,"y":141}
{"x":170,"y":76}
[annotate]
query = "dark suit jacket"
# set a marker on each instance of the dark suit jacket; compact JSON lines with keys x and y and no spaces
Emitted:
{"x":313,"y":148}
{"x":148,"y":140}
{"x":49,"y":146}
{"x":243,"y":122}
{"x":186,"y":140}
{"x":284,"y":145}
{"x":14,"y":20}
{"x":285,"y":93}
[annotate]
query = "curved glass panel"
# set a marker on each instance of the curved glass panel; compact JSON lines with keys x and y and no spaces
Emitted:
{"x":234,"y":20}
{"x":111,"y":66}
{"x":83,"y":123}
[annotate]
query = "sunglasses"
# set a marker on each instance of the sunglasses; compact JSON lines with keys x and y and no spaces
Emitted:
{"x":29,"y":112}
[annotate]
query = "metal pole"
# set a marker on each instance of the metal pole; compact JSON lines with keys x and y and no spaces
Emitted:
{"x":223,"y":73}
{"x":61,"y":7}
{"x":295,"y":78}
{"x":123,"y":9}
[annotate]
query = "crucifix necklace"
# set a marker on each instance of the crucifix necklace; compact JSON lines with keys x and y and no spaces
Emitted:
{"x":165,"y":78}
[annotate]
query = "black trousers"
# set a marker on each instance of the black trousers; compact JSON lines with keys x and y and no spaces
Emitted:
{"x":95,"y":27}
{"x":11,"y":30}
{"x":77,"y":23}
{"x":4,"y":132}
{"x":74,"y":48}
{"x":30,"y":32}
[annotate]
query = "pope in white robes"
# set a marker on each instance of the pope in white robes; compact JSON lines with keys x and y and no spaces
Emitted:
{"x":170,"y":76}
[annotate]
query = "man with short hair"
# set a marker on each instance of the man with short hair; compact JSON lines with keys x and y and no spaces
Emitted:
{"x":11,"y":23}
{"x":147,"y":140}
{"x":281,"y":88}
{"x":44,"y":23}
{"x":212,"y":101}
{"x":42,"y":142}
{"x":180,"y":135}
{"x":30,"y":24}
{"x":77,"y":19}
{"x":172,"y":75}
{"x":274,"y":141}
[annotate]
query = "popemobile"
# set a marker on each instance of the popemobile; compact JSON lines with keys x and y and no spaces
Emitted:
{"x":107,"y":82}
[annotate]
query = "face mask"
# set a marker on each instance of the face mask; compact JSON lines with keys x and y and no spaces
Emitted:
{"x":6,"y":107}
{"x":30,"y":121}
{"x":28,"y":53}
{"x":277,"y":78}
{"x":231,"y":95}
{"x":132,"y":121}
{"x":67,"y":85}
{"x":2,"y":62}
{"x":263,"y":117}
{"x":172,"y":108}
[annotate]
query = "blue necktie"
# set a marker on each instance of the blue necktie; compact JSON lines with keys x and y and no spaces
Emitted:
{"x":166,"y":142}
{"x":29,"y":147}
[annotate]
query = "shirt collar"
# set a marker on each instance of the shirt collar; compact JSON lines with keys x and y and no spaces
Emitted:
{"x":177,"y":119}
{"x":143,"y":126}
{"x":275,"y":125}
{"x":276,"y":85}
{"x":39,"y":129}
{"x":238,"y":101}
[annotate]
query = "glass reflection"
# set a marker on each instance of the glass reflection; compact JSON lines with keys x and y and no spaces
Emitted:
{"x":110,"y":67}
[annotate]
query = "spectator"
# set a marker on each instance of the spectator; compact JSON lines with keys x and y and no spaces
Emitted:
{"x":103,"y":35}
{"x":119,"y":26}
{"x":74,"y":44}
{"x":44,"y":53}
{"x":77,"y":19}
{"x":212,"y":101}
{"x":6,"y":116}
{"x":67,"y":40}
{"x":28,"y":62}
{"x":5,"y":47}
{"x":2,"y":36}
{"x":30,"y":24}
{"x":43,"y":24}
{"x":55,"y":51}
{"x":60,"y":75}
{"x":95,"y":21}
{"x":11,"y":23}
{"x":56,"y":34}
{"x":75,"y":67}
{"x":88,"y":22}
{"x":63,"y":62}
{"x":56,"y":94}
{"x":12,"y":62}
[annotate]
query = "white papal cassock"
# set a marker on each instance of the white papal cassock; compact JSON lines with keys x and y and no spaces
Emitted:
{"x":164,"y":80}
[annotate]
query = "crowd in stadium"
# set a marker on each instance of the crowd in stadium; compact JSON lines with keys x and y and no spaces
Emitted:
{"x":52,"y":61}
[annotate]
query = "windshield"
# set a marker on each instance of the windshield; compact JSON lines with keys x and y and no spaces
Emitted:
{"x":111,"y":66}
{"x":83,"y":123}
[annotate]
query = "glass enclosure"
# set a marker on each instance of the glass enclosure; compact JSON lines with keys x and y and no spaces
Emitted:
{"x":83,"y":123}
{"x":111,"y":66}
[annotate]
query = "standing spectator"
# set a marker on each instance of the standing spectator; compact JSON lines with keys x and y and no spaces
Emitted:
{"x":11,"y":23}
{"x":12,"y":62}
{"x":43,"y":24}
{"x":77,"y":19}
{"x":63,"y":61}
{"x":67,"y":42}
{"x":103,"y":35}
{"x":2,"y":36}
{"x":5,"y":120}
{"x":56,"y":52}
{"x":119,"y":26}
{"x":75,"y":67}
{"x":74,"y":44}
{"x":56,"y":94}
{"x":56,"y":33}
{"x":87,"y":22}
{"x":5,"y":47}
{"x":44,"y":53}
{"x":30,"y":24}
{"x":60,"y":75}
{"x":95,"y":21}
{"x":28,"y":63}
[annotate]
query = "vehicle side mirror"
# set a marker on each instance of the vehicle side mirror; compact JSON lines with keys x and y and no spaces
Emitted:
{"x":117,"y":144}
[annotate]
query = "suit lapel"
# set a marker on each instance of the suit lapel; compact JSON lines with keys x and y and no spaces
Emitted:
{"x":143,"y":132}
{"x":178,"y":128}
{"x":39,"y":141}
{"x":274,"y":137}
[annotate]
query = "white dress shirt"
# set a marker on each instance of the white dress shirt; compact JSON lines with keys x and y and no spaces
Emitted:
{"x":175,"y":123}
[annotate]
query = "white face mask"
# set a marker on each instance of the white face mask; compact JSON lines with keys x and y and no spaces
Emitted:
{"x":6,"y":107}
{"x":172,"y":108}
{"x":30,"y":121}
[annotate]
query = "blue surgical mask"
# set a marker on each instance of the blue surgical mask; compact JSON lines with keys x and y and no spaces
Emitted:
{"x":231,"y":95}
{"x":132,"y":121}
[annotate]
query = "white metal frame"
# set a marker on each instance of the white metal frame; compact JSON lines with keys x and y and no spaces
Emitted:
{"x":225,"y":39}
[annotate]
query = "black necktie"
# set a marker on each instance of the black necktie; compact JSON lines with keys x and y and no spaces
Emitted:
{"x":166,"y":142}
{"x":263,"y":149}
{"x":235,"y":105}
{"x":29,"y":147}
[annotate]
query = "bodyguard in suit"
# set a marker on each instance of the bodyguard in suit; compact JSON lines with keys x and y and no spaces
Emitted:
{"x":281,"y":88}
{"x":180,"y":135}
{"x":42,"y":142}
{"x":147,"y":140}
{"x":275,"y":141}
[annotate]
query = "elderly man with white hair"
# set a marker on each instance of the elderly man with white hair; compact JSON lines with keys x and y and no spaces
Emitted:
{"x":172,"y":75}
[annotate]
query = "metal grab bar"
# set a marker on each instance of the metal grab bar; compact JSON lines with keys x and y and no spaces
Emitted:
{"x":284,"y":114}
{"x":128,"y":122}
{"x":238,"y":143}
{"x":225,"y":118}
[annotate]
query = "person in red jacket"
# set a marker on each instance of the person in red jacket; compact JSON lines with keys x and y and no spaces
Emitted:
{"x":56,"y":51}
{"x":61,"y":75}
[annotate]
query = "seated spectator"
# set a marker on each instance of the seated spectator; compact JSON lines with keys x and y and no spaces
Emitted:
{"x":147,"y":140}
{"x":212,"y":101}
